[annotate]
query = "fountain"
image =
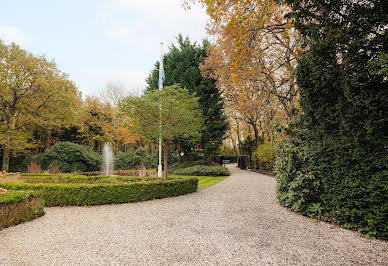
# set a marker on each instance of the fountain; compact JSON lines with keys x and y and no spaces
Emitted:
{"x":108,"y":159}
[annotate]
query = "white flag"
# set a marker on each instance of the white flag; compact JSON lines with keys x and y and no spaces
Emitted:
{"x":161,"y":74}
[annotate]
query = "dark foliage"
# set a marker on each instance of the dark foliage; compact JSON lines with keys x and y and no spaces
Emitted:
{"x":71,"y":157}
{"x":334,"y":166}
{"x":136,"y":159}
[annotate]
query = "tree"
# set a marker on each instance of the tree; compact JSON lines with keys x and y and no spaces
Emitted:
{"x":254,"y":60}
{"x":181,"y":65}
{"x":180,"y":116}
{"x":113,"y":94}
{"x":334,"y":165}
{"x":32,"y":92}
{"x":96,"y":123}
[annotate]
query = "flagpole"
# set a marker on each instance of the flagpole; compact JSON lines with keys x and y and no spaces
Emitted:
{"x":160,"y":116}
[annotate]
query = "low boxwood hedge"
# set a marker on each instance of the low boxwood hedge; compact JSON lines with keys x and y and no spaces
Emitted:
{"x":61,"y":194}
{"x":19,"y":206}
{"x":70,"y":178}
{"x":203,"y":170}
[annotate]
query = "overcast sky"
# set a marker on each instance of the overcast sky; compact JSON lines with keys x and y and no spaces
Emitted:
{"x":95,"y":41}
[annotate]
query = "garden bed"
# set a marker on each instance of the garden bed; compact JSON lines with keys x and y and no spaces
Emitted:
{"x":61,"y":190}
{"x":19,"y":206}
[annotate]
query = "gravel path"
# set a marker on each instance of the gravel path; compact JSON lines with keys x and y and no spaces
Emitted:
{"x":237,"y":221}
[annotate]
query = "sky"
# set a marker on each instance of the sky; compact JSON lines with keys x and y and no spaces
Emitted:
{"x":96,"y":41}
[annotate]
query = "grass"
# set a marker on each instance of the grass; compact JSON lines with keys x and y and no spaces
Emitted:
{"x":207,"y":181}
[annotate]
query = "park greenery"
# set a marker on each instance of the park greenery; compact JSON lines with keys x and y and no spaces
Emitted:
{"x":309,"y":77}
{"x":182,"y":62}
{"x":203,"y":170}
{"x":61,"y":190}
{"x":178,"y":112}
{"x":296,"y":86}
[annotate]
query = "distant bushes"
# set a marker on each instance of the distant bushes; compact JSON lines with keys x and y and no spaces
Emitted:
{"x":83,"y":190}
{"x":19,"y":206}
{"x":70,"y":157}
{"x":264,"y":158}
{"x":203,"y":170}
{"x":185,"y":164}
{"x":135,"y":159}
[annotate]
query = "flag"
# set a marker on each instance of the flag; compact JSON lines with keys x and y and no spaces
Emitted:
{"x":161,"y":74}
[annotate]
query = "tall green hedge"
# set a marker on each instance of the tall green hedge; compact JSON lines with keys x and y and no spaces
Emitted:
{"x":334,"y":165}
{"x":105,"y":193}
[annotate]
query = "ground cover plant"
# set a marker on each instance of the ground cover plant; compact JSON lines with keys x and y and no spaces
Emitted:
{"x":19,"y":206}
{"x":60,"y":190}
{"x":203,"y":170}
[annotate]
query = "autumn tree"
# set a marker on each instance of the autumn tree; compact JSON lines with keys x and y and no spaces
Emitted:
{"x":32,"y":92}
{"x":179,"y":117}
{"x":113,"y":93}
{"x":96,"y":122}
{"x":253,"y":60}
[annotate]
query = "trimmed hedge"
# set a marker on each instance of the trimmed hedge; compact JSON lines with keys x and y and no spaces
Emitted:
{"x":19,"y":206}
{"x":106,"y":193}
{"x":264,"y":158}
{"x":203,"y":170}
{"x":69,"y":178}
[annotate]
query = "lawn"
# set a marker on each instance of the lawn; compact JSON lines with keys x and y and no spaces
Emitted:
{"x":207,"y":181}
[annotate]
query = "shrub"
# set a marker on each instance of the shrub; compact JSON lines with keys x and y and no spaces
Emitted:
{"x":127,"y":160}
{"x":135,"y":159}
{"x":33,"y":167}
{"x":264,"y":157}
{"x":60,"y":194}
{"x":203,"y":170}
{"x":71,"y":157}
{"x":185,"y":164}
{"x":19,"y":206}
{"x":335,"y":181}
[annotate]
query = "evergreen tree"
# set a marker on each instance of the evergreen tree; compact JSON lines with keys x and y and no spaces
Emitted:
{"x":334,"y":166}
{"x":181,"y":66}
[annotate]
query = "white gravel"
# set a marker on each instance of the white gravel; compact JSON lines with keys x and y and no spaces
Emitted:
{"x":237,"y":221}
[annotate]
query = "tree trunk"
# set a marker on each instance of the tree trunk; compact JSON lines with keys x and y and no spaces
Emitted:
{"x":238,"y":135}
{"x":48,"y":139}
{"x":165,"y":157}
{"x":233,"y":143}
{"x":7,"y":146}
{"x":256,"y":132}
{"x":5,"y":164}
